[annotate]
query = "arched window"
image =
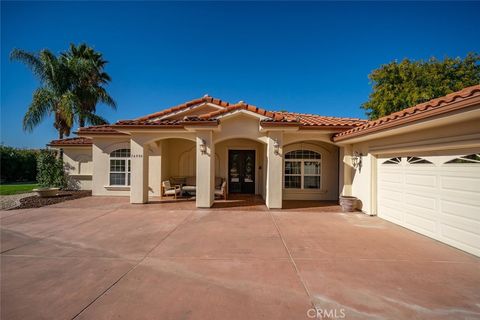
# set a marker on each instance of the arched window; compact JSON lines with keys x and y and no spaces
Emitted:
{"x":302,"y":169}
{"x":120,"y":167}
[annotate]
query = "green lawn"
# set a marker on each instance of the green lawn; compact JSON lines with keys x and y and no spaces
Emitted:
{"x":6,"y":189}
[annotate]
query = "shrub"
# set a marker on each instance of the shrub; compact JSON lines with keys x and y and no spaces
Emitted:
{"x":18,"y":165}
{"x":50,"y":170}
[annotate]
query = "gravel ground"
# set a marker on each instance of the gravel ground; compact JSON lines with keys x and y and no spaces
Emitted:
{"x":11,"y":201}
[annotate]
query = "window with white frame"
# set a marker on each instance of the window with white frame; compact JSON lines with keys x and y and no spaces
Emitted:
{"x":120,"y":167}
{"x":303,"y":169}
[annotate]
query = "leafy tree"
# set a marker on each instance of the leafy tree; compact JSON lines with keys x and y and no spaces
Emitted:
{"x":50,"y":171}
{"x":89,"y":80}
{"x":399,"y":85}
{"x":53,"y":96}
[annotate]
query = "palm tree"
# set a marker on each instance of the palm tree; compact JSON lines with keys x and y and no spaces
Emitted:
{"x":54,"y":96}
{"x":89,"y":83}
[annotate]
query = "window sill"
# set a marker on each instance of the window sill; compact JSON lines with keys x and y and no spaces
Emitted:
{"x":117,"y":188}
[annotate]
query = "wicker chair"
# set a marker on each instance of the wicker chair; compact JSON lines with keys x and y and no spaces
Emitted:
{"x":222,"y":192}
{"x":168,"y":190}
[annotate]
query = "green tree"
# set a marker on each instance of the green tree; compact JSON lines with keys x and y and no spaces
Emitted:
{"x":89,"y":81}
{"x":399,"y":85}
{"x":54,"y":96}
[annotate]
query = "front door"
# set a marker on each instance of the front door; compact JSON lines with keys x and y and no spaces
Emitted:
{"x":241,"y":171}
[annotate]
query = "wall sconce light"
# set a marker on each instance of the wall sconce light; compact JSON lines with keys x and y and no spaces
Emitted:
{"x":357,"y":160}
{"x":203,"y":146}
{"x":276,"y":147}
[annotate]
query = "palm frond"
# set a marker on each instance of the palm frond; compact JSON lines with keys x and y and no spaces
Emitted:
{"x":30,"y":59}
{"x":41,"y":106}
{"x":95,"y":120}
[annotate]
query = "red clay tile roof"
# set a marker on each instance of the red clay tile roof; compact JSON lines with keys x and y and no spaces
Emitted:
{"x":101,"y":129}
{"x":316,"y":120}
{"x":183,"y":106}
{"x":420,"y":111}
{"x":77,"y":141}
{"x":211,"y":118}
{"x":242,"y":106}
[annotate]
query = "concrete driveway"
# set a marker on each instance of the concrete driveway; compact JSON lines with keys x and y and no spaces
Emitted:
{"x":102,"y":258}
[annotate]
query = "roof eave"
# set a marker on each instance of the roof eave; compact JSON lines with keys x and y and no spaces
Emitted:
{"x":462,"y":105}
{"x":69,"y":145}
{"x":326,"y":127}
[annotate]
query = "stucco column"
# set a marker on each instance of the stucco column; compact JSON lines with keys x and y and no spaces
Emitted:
{"x":274,"y":170}
{"x":205,"y":170}
{"x":139,"y":171}
{"x":346,"y":162}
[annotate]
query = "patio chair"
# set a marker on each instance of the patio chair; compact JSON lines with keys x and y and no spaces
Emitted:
{"x":222,"y":192}
{"x":168,"y":190}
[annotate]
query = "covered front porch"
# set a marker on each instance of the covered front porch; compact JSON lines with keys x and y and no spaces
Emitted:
{"x":204,"y":169}
{"x":234,"y":171}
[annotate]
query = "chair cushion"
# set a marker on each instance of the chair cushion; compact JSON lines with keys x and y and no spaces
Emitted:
{"x":171,"y":192}
{"x":189,"y":188}
{"x":191,"y":181}
{"x":218,"y":192}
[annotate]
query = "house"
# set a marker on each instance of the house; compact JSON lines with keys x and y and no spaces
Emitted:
{"x":419,"y":168}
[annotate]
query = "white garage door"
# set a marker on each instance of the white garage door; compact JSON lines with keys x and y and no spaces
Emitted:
{"x":438,"y":196}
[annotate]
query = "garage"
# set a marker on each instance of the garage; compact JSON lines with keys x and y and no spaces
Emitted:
{"x":436,"y":194}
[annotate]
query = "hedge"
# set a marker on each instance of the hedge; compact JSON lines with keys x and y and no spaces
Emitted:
{"x":18,"y":165}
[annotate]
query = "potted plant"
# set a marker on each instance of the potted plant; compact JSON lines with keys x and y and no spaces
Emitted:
{"x":50,"y":174}
{"x":348,"y":203}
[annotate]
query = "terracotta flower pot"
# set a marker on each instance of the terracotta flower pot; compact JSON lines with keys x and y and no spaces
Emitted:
{"x":348,"y":203}
{"x":46,"y":192}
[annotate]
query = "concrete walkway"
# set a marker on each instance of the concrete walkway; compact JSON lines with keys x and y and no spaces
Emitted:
{"x":102,"y":258}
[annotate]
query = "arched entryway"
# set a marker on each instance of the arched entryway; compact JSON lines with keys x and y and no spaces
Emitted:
{"x":241,"y":163}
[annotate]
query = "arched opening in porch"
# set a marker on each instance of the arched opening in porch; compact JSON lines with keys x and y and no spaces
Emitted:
{"x":240,"y":163}
{"x":310,"y":174}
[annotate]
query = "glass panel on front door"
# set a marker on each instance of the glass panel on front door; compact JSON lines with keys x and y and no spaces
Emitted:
{"x":241,"y":171}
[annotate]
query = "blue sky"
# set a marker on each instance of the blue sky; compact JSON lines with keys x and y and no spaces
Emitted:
{"x":303,"y":57}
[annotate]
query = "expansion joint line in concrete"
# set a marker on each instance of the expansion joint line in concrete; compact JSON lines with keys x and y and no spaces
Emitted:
{"x":134,"y":266}
{"x":53,"y":233}
{"x":292,"y":261}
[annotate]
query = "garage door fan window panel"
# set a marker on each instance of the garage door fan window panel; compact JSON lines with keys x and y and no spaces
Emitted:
{"x":120,"y":167}
{"x":303,"y":169}
{"x":471,"y":158}
{"x":396,"y":160}
{"x":417,"y":160}
{"x":410,"y":160}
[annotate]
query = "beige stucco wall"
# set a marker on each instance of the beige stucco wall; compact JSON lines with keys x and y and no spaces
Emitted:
{"x":101,"y":149}
{"x":179,"y":157}
{"x":453,"y":138}
{"x":79,"y":167}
